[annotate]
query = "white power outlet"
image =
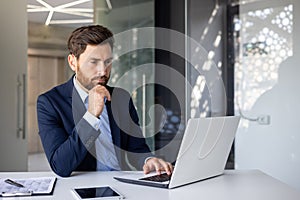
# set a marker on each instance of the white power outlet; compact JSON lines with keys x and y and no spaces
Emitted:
{"x":264,"y":119}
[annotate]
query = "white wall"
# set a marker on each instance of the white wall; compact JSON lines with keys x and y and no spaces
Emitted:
{"x":13,"y":57}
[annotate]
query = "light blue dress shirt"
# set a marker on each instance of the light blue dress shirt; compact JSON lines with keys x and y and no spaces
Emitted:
{"x":105,"y":151}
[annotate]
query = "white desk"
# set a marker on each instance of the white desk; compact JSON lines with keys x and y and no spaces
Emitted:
{"x":239,"y":185}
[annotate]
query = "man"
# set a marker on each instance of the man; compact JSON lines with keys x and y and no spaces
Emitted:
{"x":86,"y":125}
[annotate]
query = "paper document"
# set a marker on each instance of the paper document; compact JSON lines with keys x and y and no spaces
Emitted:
{"x":32,"y":186}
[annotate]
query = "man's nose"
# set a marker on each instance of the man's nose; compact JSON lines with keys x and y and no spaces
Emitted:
{"x":101,"y":68}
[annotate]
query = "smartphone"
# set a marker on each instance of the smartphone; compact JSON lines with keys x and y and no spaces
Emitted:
{"x":97,"y":193}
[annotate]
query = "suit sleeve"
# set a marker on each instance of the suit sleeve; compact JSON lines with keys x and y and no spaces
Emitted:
{"x":65,"y":150}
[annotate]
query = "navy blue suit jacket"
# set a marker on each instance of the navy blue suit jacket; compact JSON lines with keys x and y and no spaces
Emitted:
{"x":68,"y":139}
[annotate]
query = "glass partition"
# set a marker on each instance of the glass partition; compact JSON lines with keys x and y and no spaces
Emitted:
{"x":266,"y":84}
{"x":125,"y":18}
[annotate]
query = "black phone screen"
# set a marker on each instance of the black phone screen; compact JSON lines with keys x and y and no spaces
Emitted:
{"x":96,"y":192}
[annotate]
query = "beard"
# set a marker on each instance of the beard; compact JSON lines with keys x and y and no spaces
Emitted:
{"x":101,"y":80}
{"x":88,"y":83}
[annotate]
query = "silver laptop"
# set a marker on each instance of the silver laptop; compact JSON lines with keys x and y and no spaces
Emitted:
{"x":203,"y":153}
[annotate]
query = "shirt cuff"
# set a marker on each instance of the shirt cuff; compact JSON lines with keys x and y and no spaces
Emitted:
{"x":148,"y":159}
{"x":92,"y":120}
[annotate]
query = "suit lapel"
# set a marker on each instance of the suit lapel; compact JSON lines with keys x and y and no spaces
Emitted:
{"x":78,"y":107}
{"x":73,"y":97}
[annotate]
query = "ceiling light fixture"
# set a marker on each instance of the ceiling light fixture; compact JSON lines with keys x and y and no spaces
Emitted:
{"x":66,"y":9}
{"x":109,"y":4}
{"x":72,"y":21}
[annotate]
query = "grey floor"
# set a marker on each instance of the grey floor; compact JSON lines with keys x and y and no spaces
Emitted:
{"x":38,"y":162}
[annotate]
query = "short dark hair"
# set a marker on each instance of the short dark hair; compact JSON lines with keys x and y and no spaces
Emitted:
{"x":92,"y":35}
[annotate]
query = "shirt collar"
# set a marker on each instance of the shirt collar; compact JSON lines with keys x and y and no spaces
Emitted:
{"x":83,"y":94}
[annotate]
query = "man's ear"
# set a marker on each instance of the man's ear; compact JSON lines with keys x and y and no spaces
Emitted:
{"x":72,"y":60}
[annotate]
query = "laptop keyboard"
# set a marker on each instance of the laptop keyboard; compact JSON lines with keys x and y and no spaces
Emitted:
{"x":158,"y":178}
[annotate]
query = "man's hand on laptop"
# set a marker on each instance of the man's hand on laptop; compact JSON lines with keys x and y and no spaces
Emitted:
{"x":158,"y":165}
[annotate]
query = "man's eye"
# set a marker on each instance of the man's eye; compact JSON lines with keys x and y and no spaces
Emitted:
{"x":94,"y":62}
{"x":108,"y":62}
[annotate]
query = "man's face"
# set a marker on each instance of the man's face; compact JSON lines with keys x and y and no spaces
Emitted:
{"x":94,"y":66}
